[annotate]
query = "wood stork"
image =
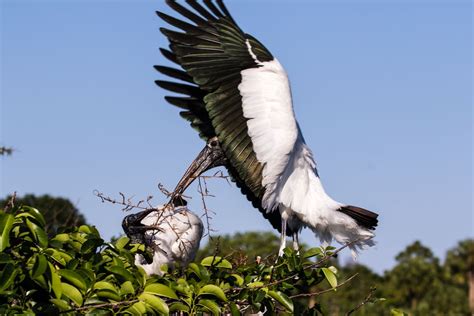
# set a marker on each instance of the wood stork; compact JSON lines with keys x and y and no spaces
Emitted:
{"x":173,"y":234}
{"x":238,"y":97}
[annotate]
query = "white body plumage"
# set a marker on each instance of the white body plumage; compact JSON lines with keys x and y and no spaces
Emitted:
{"x":176,"y":239}
{"x":290,"y":177}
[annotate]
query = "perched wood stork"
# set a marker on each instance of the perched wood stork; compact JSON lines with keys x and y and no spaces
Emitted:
{"x":238,"y":97}
{"x":173,"y":234}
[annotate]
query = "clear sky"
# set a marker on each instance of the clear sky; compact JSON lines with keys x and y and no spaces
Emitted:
{"x":382,"y":91}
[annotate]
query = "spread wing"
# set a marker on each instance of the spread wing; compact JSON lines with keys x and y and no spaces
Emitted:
{"x":214,"y":53}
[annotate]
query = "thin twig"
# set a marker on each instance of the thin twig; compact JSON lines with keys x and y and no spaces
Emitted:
{"x":365,"y":301}
{"x":324,"y":291}
{"x":126,"y":202}
{"x":204,"y":192}
{"x":10,"y":203}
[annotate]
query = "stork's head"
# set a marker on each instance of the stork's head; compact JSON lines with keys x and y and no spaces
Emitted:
{"x":211,"y":156}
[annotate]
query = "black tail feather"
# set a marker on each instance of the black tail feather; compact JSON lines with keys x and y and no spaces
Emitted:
{"x":362,"y":216}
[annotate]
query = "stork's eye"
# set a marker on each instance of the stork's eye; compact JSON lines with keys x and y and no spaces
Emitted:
{"x":214,"y":143}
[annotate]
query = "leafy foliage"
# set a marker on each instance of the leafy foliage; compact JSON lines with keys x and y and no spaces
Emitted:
{"x":57,"y":212}
{"x":77,"y":272}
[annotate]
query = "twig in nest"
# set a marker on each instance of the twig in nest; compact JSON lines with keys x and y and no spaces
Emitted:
{"x":204,"y":192}
{"x":324,"y":291}
{"x":127,"y":203}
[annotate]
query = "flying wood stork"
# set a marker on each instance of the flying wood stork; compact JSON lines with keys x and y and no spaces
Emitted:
{"x":238,"y":97}
{"x":172,"y":232}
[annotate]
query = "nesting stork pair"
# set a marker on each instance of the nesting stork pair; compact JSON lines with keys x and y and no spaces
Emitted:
{"x":238,"y":97}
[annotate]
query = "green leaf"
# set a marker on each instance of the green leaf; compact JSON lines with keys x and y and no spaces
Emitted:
{"x":213,"y":290}
{"x":216,"y":262}
{"x":61,"y":238}
{"x":122,"y":242}
{"x":109,"y":295}
{"x":281,"y":298}
{"x":91,"y":244}
{"x":74,"y":278}
{"x":234,"y":310}
{"x":6,"y":224}
{"x":36,"y":215}
{"x":127,"y":288}
{"x":397,"y":312}
{"x":107,"y":290}
{"x":41,"y":281}
{"x":121,"y":271}
{"x":330,"y":276}
{"x":160,"y":289}
{"x":61,"y":304}
{"x":38,"y":233}
{"x":5,"y":258}
{"x":255,"y":284}
{"x":72,"y":293}
{"x":59,"y":256}
{"x":139,"y":308}
{"x":238,"y":278}
{"x":7,"y":276}
{"x":210,"y":305}
{"x":40,"y":266}
{"x":155,"y":302}
{"x":178,"y":307}
{"x":195,"y":268}
{"x":312,"y":252}
{"x":104,"y":285}
{"x":55,"y":281}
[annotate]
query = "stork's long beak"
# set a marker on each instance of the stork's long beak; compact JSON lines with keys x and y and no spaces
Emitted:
{"x":203,"y":162}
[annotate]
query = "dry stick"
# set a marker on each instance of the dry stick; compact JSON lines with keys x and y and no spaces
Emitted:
{"x":204,"y":192}
{"x":10,"y":203}
{"x":127,"y":203}
{"x":365,"y":301}
{"x":324,"y":291}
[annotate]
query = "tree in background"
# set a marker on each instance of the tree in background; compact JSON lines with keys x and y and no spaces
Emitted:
{"x":413,"y":276}
{"x":417,"y":284}
{"x":58,"y":212}
{"x":364,"y":289}
{"x":459,"y":269}
{"x":246,"y":246}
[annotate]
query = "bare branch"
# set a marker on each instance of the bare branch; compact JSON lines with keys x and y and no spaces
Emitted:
{"x":365,"y":301}
{"x":127,"y":203}
{"x":324,"y":291}
{"x":10,"y":203}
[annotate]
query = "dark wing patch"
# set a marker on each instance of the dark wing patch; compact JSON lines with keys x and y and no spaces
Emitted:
{"x":212,"y":50}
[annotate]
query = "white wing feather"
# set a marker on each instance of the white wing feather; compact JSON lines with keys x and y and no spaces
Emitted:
{"x":289,"y":174}
{"x":266,"y":103}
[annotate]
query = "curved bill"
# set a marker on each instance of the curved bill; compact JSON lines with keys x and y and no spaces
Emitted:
{"x":208,"y":158}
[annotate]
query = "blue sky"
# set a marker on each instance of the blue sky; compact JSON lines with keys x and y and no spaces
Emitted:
{"x":382,"y":91}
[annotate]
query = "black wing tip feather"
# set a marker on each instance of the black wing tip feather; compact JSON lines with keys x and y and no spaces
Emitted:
{"x":362,"y":216}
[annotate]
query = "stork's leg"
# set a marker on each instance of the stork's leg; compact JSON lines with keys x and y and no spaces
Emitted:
{"x":296,"y":242}
{"x":284,"y":220}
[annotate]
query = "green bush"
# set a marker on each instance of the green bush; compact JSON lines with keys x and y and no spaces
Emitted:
{"x":77,"y":272}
